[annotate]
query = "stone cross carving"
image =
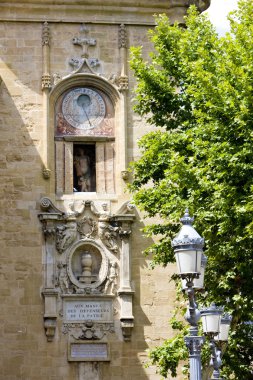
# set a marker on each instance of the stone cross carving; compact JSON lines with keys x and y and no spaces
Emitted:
{"x":84,"y":42}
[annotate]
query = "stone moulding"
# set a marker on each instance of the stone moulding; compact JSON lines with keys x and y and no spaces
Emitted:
{"x":141,"y":12}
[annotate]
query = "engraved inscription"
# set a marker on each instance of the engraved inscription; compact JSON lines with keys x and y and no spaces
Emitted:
{"x":99,"y":311}
{"x":97,"y":351}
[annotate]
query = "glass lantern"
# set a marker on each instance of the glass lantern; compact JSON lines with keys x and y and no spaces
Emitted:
{"x":211,"y":319}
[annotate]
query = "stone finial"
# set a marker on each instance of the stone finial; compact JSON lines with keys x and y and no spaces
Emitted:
{"x":122,"y":36}
{"x":45,"y":34}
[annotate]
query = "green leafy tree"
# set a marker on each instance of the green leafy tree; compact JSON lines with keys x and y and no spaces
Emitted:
{"x":197,"y":89}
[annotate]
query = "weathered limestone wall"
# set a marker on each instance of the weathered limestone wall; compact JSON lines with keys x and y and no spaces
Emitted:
{"x":26,"y":147}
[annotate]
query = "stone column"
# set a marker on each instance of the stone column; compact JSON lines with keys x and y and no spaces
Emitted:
{"x":125,"y":291}
{"x":49,"y":217}
{"x":123,"y":87}
{"x":46,"y":86}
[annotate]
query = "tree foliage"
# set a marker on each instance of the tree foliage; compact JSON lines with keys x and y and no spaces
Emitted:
{"x":197,"y":89}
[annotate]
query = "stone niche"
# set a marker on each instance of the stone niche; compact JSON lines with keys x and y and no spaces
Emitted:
{"x":87,"y":280}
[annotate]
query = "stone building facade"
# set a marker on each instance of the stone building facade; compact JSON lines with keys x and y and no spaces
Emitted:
{"x":78,"y":299}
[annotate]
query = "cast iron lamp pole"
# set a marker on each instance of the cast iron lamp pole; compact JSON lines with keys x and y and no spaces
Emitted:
{"x":217,"y":328}
{"x":188,"y":246}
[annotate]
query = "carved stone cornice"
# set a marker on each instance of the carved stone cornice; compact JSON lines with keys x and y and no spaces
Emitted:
{"x":113,"y":11}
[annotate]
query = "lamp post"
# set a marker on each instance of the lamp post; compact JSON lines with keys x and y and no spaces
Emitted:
{"x":188,"y":247}
{"x":191,"y":263}
{"x":217,"y":328}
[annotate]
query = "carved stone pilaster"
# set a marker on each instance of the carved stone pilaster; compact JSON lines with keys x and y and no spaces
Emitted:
{"x":50,"y":313}
{"x":46,"y":78}
{"x":122,"y":36}
{"x":125,"y":219}
{"x":45,"y":34}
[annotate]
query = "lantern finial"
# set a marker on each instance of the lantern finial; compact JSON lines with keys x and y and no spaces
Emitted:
{"x":187,"y":219}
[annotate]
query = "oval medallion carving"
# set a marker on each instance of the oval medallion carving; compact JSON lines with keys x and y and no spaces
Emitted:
{"x":87,"y":265}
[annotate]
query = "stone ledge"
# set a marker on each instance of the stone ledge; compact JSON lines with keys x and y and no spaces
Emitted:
{"x":128,"y":12}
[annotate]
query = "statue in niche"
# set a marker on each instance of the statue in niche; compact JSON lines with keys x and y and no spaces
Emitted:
{"x":62,"y":280}
{"x":86,"y":263}
{"x":84,"y":173}
{"x":112,"y":278}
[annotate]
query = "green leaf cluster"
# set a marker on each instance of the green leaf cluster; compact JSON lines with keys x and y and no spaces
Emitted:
{"x":197,"y":89}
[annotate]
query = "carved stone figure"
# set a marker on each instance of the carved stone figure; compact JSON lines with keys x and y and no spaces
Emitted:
{"x":65,"y":236}
{"x":82,"y":165}
{"x":62,"y":280}
{"x":112,"y":278}
{"x":108,"y":234}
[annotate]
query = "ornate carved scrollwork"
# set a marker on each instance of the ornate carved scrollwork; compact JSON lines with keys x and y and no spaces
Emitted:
{"x":97,"y":329}
{"x":90,"y":331}
{"x":87,"y":228}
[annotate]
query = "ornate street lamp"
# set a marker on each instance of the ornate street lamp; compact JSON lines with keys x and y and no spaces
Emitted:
{"x":217,"y":328}
{"x":188,"y":246}
{"x":198,"y":283}
{"x":226,"y":320}
{"x":211,"y":320}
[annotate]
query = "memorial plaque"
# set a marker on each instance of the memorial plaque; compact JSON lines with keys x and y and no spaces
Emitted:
{"x":88,"y":352}
{"x":86,"y":310}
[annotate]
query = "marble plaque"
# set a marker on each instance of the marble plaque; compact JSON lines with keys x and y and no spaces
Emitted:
{"x":88,"y":352}
{"x":85,"y":310}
